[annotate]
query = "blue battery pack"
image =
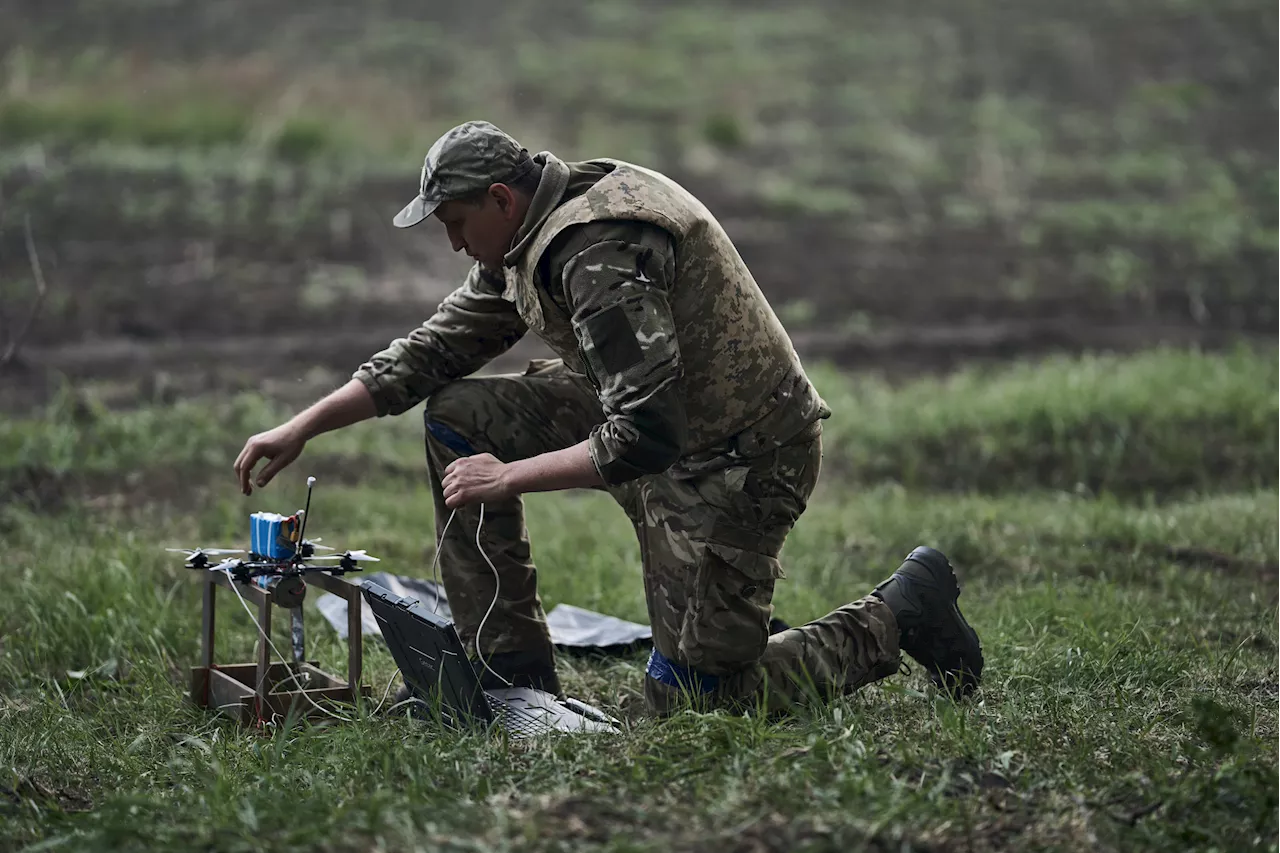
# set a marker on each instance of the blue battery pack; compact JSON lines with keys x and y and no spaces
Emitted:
{"x":272,"y":535}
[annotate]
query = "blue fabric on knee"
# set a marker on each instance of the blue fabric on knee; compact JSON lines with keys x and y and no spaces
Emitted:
{"x":450,"y":439}
{"x":663,"y":669}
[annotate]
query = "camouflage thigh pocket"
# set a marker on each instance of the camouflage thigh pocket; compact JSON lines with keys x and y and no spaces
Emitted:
{"x":726,"y":623}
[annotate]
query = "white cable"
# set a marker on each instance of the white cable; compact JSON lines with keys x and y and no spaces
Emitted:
{"x":435,"y":603}
{"x":435,"y":607}
{"x":435,"y":563}
{"x":496,"y":583}
{"x":386,"y":693}
{"x":412,"y":700}
{"x":292,"y":676}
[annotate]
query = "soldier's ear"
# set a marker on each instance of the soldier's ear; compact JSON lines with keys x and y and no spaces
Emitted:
{"x":505,"y":198}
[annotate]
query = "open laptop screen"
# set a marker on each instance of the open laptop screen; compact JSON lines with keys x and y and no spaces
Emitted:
{"x":431,"y":658}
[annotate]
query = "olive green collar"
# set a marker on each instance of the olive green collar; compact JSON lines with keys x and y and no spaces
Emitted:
{"x":551,"y":189}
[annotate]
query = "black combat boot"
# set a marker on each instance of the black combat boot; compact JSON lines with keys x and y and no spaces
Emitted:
{"x":923,"y":595}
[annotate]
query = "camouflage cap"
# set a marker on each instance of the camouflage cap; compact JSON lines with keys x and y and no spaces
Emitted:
{"x":467,"y":159}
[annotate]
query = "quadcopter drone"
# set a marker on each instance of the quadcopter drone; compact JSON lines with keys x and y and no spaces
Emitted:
{"x":277,"y":549}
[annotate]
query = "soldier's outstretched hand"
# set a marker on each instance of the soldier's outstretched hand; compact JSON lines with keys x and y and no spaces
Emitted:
{"x":280,"y":446}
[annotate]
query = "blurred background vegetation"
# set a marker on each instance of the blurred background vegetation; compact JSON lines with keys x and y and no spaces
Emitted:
{"x":913,"y":185}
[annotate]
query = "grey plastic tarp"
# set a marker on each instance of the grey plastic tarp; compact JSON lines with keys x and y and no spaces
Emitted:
{"x":573,"y":629}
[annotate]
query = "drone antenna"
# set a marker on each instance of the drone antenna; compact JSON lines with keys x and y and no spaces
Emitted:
{"x":306,"y":513}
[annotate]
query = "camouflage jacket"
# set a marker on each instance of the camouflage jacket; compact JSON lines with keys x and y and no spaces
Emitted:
{"x":630,"y":280}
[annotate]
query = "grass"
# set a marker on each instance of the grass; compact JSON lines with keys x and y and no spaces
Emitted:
{"x":1157,"y":424}
{"x":1129,"y":702}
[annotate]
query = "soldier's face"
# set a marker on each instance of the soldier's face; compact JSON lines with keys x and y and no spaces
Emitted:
{"x":485,"y":230}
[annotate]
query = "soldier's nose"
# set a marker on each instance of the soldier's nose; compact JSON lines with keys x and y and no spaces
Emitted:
{"x":456,"y":241}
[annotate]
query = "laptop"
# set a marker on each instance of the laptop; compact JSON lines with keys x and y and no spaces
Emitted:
{"x":437,"y":670}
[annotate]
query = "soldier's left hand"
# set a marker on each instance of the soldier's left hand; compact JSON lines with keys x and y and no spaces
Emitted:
{"x":475,"y":479}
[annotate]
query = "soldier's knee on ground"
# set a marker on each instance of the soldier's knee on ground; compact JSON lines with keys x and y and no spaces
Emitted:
{"x":664,"y":700}
{"x":726,"y":623}
{"x":711,"y":615}
{"x":720,"y":676}
{"x":740,"y":692}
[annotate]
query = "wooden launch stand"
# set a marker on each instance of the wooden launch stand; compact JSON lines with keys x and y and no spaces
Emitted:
{"x":257,"y":691}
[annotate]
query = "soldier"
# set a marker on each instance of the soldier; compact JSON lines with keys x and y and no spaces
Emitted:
{"x":676,"y":389}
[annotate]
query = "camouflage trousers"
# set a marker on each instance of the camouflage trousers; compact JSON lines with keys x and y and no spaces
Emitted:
{"x":709,"y":549}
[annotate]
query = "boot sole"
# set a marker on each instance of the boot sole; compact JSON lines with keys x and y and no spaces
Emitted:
{"x":944,"y":576}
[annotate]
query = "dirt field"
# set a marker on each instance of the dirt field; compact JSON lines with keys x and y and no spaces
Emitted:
{"x":908,"y":196}
{"x":175,"y":303}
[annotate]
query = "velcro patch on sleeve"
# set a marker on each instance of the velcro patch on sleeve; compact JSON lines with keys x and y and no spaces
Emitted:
{"x":614,"y":340}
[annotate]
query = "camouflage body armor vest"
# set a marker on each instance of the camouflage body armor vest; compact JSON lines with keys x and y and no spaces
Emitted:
{"x":744,"y":389}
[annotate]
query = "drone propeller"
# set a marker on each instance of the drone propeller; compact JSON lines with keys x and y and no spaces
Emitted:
{"x":357,"y":556}
{"x":198,"y":558}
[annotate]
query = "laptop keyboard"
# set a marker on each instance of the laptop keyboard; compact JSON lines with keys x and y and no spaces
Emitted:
{"x":517,"y":722}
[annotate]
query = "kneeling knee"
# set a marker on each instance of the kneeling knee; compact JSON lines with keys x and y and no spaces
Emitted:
{"x":440,"y":412}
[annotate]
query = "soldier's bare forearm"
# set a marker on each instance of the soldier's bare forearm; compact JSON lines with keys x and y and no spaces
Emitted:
{"x":570,"y":468}
{"x":349,"y":404}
